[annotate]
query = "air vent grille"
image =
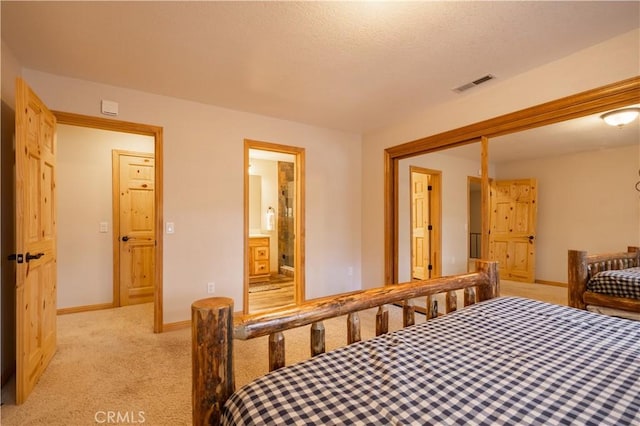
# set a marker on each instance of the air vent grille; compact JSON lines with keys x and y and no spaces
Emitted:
{"x":474,"y":83}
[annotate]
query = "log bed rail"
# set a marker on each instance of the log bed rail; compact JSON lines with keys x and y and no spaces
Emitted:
{"x":214,"y":327}
{"x":581,"y":267}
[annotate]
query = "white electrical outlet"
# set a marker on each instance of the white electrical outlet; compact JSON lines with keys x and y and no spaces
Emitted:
{"x":211,"y":288}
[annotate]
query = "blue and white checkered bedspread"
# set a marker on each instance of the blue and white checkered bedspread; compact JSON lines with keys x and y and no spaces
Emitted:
{"x":620,"y":283}
{"x":505,"y":361}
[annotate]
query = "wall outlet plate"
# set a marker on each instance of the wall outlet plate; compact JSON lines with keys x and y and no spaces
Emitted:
{"x":211,"y":288}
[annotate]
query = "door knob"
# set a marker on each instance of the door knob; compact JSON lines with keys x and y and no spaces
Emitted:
{"x":125,"y":238}
{"x":30,"y":256}
{"x":531,"y":237}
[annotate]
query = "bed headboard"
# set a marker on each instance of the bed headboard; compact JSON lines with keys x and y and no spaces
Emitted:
{"x":582,"y":267}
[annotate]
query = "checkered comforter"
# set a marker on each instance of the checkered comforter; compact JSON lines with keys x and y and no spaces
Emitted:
{"x":620,"y":283}
{"x":505,"y":361}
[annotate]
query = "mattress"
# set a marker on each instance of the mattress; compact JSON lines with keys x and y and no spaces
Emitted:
{"x":504,"y":361}
{"x":618,"y":283}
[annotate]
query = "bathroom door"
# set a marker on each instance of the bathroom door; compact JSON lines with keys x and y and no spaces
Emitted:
{"x":134,"y":207}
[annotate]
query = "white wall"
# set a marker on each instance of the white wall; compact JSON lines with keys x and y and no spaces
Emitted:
{"x":203,"y":188}
{"x":608,"y":62}
{"x":84,"y":184}
{"x":586,"y":201}
{"x":10,"y":70}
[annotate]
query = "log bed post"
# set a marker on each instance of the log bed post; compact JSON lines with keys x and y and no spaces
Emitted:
{"x":577,"y":277}
{"x":382,"y":320}
{"x":317,"y":338}
{"x":432,"y":308}
{"x":276,"y":351}
{"x":408,"y":313}
{"x":212,"y":358}
{"x":353,"y":328}
{"x":469,"y":296}
{"x":492,"y":288}
{"x":451,"y":302}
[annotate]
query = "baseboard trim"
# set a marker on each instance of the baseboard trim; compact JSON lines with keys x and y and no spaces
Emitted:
{"x":172,"y":326}
{"x":553,"y":283}
{"x":86,"y":308}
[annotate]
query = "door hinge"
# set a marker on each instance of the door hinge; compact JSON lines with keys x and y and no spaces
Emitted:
{"x":429,"y":188}
{"x":19,"y":258}
{"x":430,"y":227}
{"x":430,"y":267}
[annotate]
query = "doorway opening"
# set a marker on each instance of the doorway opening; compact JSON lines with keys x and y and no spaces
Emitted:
{"x":108,"y":135}
{"x":474,"y":205}
{"x":274,"y":224}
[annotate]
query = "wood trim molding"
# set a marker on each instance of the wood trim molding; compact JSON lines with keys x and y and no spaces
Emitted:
{"x":85,"y":308}
{"x":157,"y":133}
{"x":115,"y":219}
{"x":485,"y":199}
{"x":551,"y":283}
{"x":173,"y":326}
{"x":611,"y":96}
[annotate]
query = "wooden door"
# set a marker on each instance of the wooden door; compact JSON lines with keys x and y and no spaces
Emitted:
{"x":35,"y":191}
{"x":420,"y":238}
{"x":513,"y":228}
{"x":134,"y":207}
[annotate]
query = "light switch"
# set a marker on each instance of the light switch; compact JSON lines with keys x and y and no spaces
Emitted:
{"x":104,"y":227}
{"x":170,"y":228}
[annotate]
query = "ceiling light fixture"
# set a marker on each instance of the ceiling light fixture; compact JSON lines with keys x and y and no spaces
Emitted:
{"x":620,"y":117}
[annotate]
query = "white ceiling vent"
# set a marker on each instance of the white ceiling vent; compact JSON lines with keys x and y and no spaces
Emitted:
{"x":474,"y":83}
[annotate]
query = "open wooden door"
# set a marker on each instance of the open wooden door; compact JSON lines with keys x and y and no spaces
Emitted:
{"x":134,"y":207}
{"x":420,"y":237}
{"x":426,"y":222}
{"x":513,"y":228}
{"x":35,"y":239}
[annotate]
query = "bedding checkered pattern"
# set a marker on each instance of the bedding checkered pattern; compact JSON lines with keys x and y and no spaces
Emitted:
{"x":504,"y":361}
{"x":620,"y":283}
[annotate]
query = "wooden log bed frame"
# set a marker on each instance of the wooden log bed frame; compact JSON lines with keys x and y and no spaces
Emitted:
{"x":583,"y":266}
{"x":214,"y":328}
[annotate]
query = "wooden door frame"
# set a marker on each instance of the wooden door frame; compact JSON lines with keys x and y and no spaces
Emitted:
{"x":470,"y":180}
{"x":435,"y":214}
{"x":611,"y":96}
{"x":115,"y":203}
{"x":147,"y":130}
{"x":299,"y":250}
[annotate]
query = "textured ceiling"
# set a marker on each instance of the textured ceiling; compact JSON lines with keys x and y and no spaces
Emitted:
{"x":353,"y":66}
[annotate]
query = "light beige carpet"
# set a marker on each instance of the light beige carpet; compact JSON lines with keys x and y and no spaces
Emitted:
{"x":110,"y":361}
